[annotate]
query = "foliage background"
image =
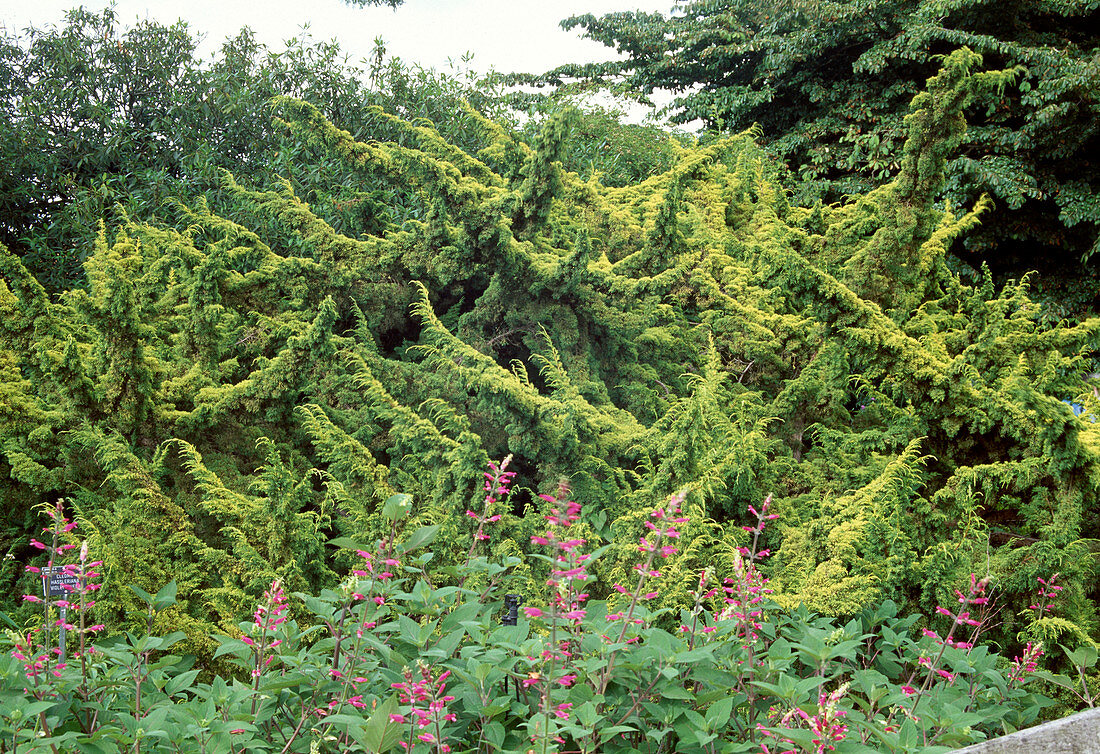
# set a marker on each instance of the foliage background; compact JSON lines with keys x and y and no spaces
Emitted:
{"x":829,"y":85}
{"x":251,"y":367}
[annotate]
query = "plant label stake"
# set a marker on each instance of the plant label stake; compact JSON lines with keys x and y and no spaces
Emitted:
{"x":57,"y":582}
{"x":511,"y":615}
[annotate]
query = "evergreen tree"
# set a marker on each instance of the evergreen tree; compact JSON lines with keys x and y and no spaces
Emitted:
{"x":219,"y":402}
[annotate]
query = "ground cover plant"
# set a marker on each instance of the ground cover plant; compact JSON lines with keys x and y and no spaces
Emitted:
{"x":393,"y":659}
{"x":240,"y":385}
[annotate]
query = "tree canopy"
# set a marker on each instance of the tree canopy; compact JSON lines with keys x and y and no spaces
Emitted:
{"x":829,"y":85}
{"x":101,"y":120}
{"x":96,"y":116}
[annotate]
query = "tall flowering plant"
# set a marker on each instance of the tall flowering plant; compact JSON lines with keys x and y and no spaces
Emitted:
{"x":498,"y":481}
{"x":564,"y":614}
{"x":497,"y":487}
{"x":1082,"y":659}
{"x":269,"y":615}
{"x":423,"y":694}
{"x":77,"y":582}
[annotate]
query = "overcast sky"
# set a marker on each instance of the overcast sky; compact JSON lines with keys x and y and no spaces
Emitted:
{"x":509,"y":35}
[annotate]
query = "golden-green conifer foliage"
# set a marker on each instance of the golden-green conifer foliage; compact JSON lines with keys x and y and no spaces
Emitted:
{"x":236,"y":387}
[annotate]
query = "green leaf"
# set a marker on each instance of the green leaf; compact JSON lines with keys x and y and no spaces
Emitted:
{"x":180,"y":682}
{"x":719,"y":713}
{"x":1084,"y":656}
{"x":147,"y":598}
{"x":493,"y":732}
{"x":35,"y":708}
{"x":397,"y":507}
{"x":380,"y":734}
{"x":422,"y":537}
{"x":166,"y":596}
{"x":232,"y":646}
{"x":346,"y":543}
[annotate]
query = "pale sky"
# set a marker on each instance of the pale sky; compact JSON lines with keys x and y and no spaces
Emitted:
{"x":509,"y":35}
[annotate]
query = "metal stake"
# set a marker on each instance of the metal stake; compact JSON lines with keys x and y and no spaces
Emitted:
{"x":61,"y":641}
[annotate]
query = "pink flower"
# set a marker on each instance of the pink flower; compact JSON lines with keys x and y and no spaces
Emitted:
{"x":532,"y":612}
{"x":562,"y":710}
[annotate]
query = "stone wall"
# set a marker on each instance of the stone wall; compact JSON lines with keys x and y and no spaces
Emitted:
{"x":1076,"y":734}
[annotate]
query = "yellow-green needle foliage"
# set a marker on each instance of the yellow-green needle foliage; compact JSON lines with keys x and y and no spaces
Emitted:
{"x":236,"y":387}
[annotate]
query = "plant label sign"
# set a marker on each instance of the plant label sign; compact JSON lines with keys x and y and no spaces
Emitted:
{"x":56,"y":582}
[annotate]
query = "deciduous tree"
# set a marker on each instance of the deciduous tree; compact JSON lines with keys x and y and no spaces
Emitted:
{"x":829,"y":82}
